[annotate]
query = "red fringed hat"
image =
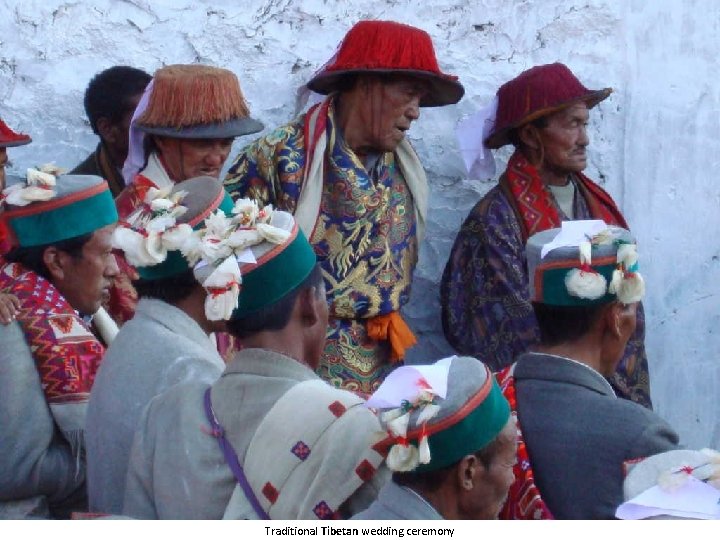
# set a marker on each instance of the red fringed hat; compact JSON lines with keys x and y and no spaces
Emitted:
{"x":537,"y":92}
{"x":9,"y":138}
{"x":389,"y":47}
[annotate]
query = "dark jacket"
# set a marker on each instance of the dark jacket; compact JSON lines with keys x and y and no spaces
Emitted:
{"x":578,"y":435}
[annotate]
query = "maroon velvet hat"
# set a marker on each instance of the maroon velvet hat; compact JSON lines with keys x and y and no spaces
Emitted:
{"x":389,"y":47}
{"x":537,"y":92}
{"x":9,"y":138}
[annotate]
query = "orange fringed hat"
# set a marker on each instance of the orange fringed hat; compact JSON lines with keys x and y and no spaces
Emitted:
{"x":196,"y":102}
{"x":389,"y":47}
{"x":537,"y":92}
{"x":8,"y":137}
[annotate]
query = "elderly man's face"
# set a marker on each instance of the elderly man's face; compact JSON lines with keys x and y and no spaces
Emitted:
{"x":392,"y":105}
{"x":190,"y":158}
{"x":3,"y":164}
{"x":84,"y":280}
{"x":564,"y":140}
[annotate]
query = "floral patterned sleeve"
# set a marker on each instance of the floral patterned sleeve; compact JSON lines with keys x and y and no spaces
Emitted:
{"x":484,"y":291}
{"x":270,"y":170}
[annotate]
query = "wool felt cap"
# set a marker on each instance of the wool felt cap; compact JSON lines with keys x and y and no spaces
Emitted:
{"x":82,"y":204}
{"x":548,"y":275}
{"x":196,"y":102}
{"x":537,"y":92}
{"x":279,"y":268}
{"x":470,"y":417}
{"x":9,"y":138}
{"x":204,"y":196}
{"x":388,"y":47}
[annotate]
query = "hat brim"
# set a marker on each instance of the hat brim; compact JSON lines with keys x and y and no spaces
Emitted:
{"x":217,"y":130}
{"x":443,"y":90}
{"x":20,"y":142}
{"x":502,"y":137}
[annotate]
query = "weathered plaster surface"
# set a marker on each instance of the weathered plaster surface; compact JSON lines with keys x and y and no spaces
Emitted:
{"x":654,"y":142}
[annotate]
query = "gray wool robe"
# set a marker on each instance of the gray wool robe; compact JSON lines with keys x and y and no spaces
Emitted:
{"x":161,"y":346}
{"x":38,"y":471}
{"x":579,"y":434}
{"x":177,"y":470}
{"x":396,"y":502}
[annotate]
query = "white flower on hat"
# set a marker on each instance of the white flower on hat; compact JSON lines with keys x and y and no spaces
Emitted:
{"x":155,"y":248}
{"x":134,"y":245}
{"x":403,"y":458}
{"x":424,"y":450}
{"x":245,"y":212}
{"x":631,"y":288}
{"x":218,"y":224}
{"x":617,"y":277}
{"x":155,"y":193}
{"x":627,"y":255}
{"x":158,"y":205}
{"x":191,"y":249}
{"x":51,"y":168}
{"x":214,"y":247}
{"x":398,"y":426}
{"x":243,"y":238}
{"x":39,"y":178}
{"x":585,"y":284}
{"x":175,"y":237}
{"x":273,"y":234}
{"x":18,"y":195}
{"x":160,"y":223}
{"x":223,"y":290}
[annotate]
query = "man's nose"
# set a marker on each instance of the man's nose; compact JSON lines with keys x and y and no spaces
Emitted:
{"x":413,"y":110}
{"x":583,"y":139}
{"x":112,"y":268}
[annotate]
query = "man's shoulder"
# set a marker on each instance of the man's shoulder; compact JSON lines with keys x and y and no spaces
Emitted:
{"x":290,"y":133}
{"x":88,"y":166}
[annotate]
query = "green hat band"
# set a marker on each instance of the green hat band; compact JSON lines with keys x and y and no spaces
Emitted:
{"x":550,"y":285}
{"x":176,"y":264}
{"x":63,"y":218}
{"x":277,"y":273}
{"x":469,"y":435}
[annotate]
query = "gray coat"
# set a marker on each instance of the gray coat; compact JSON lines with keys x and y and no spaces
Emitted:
{"x":579,"y":434}
{"x":177,"y":470}
{"x":395,"y":502}
{"x":36,"y":462}
{"x":159,"y":347}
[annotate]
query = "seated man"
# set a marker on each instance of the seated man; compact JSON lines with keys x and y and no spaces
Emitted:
{"x":59,"y":269}
{"x":269,"y":438}
{"x":167,"y":341}
{"x":576,"y":433}
{"x":456,"y":459}
{"x":110,"y":100}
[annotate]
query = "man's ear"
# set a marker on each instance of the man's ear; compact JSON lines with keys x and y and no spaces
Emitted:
{"x":54,"y":260}
{"x":613,"y":319}
{"x":308,"y":307}
{"x":468,"y":471}
{"x":529,"y":136}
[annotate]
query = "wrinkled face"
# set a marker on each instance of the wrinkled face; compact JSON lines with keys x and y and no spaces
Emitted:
{"x":564,"y":140}
{"x":3,"y":164}
{"x":86,"y":279}
{"x":491,"y":485}
{"x":190,"y":158}
{"x":392,"y":105}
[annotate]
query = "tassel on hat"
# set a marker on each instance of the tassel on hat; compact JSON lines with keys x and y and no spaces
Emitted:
{"x":190,"y":95}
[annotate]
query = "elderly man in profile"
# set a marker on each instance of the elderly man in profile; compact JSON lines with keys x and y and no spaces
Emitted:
{"x":486,"y":311}
{"x":60,"y":266}
{"x":347,"y":172}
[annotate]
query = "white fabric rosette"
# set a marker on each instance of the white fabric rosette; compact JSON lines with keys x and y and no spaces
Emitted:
{"x":134,"y":245}
{"x":223,"y":288}
{"x":403,"y":458}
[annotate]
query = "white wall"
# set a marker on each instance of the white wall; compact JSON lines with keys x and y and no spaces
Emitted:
{"x":654,"y":144}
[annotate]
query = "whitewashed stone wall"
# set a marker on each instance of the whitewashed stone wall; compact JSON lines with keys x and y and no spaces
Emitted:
{"x":654,"y":142}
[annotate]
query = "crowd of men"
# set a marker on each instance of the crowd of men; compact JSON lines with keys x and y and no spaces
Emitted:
{"x":175,"y":345}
